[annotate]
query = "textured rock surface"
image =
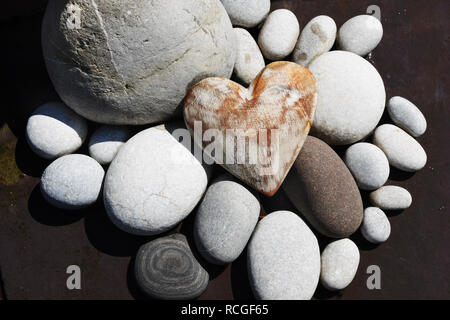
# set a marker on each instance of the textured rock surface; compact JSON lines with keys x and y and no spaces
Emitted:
{"x":402,"y":150}
{"x":54,"y":130}
{"x":106,"y":141}
{"x":360,"y":34}
{"x":249,"y":59}
{"x":247,"y":13}
{"x":317,"y":37}
{"x":339,"y":263}
{"x":368,"y":164}
{"x":279,"y":34}
{"x":351,"y":97}
{"x":391,"y":198}
{"x":407,"y":116}
{"x":322,"y":188}
{"x":283,"y":97}
{"x":72,"y":182}
{"x":375,"y":226}
{"x":283,"y":258}
{"x":133,"y":62}
{"x":225,"y":220}
{"x":165,"y":268}
{"x":153,"y":183}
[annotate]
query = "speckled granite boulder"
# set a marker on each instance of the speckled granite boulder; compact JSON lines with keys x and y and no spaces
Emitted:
{"x":153,"y":183}
{"x":360,"y":34}
{"x":165,"y":268}
{"x":125,"y":62}
{"x":283,"y":258}
{"x":72,"y":182}
{"x":351,"y":97}
{"x":322,"y":188}
{"x":225,"y":220}
{"x":402,"y":150}
{"x":106,"y":141}
{"x":317,"y":37}
{"x":339,"y":263}
{"x":54,"y":130}
{"x":407,"y":116}
{"x":247,"y":13}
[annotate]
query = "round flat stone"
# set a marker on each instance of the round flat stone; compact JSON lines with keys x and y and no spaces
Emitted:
{"x":368,"y":164}
{"x":322,"y":188}
{"x":360,"y":34}
{"x":316,"y":38}
{"x":351,"y":97}
{"x":249,"y":59}
{"x":279,"y":34}
{"x":391,"y":198}
{"x":407,"y":116}
{"x":402,"y":150}
{"x":72,"y":182}
{"x":225,"y":220}
{"x":283,"y":258}
{"x":153,"y":183}
{"x":106,"y":141}
{"x":247,"y":13}
{"x":339,"y":263}
{"x":165,"y":268}
{"x":375,"y":226}
{"x":54,"y":130}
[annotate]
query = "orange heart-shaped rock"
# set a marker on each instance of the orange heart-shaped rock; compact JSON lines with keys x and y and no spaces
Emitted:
{"x":255,"y":133}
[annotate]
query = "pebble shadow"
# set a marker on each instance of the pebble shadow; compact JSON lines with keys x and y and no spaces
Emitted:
{"x":240,"y":284}
{"x":44,"y":213}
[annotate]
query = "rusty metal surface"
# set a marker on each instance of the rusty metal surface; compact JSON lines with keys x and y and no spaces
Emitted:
{"x":38,"y":242}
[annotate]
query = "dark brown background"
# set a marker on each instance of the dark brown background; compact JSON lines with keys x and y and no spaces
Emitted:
{"x":38,"y":242}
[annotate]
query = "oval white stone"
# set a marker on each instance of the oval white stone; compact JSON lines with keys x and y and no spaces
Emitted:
{"x":54,"y":130}
{"x":246,"y":13}
{"x":106,"y":141}
{"x":279,"y":34}
{"x":225,"y":220}
{"x":351,"y":97}
{"x":360,"y":34}
{"x":153,"y":183}
{"x":72,"y":182}
{"x":368,"y":165}
{"x":407,"y":116}
{"x":375,"y":226}
{"x":249,"y":59}
{"x":339,"y":260}
{"x":283,"y":258}
{"x":316,"y":38}
{"x":391,"y":198}
{"x":402,"y":150}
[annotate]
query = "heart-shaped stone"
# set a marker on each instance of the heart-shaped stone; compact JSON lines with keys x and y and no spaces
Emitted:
{"x":255,"y":133}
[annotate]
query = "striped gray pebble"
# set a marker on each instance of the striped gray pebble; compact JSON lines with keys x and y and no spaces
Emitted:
{"x":165,"y":268}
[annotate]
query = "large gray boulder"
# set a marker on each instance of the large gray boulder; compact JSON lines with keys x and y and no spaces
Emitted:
{"x":132,"y":62}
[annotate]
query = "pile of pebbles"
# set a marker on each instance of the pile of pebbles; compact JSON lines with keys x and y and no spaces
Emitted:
{"x":136,"y":74}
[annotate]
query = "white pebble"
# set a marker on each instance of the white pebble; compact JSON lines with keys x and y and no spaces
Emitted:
{"x":402,"y":150}
{"x":106,"y":141}
{"x":317,"y":37}
{"x":360,"y":34}
{"x":407,"y":116}
{"x":54,"y":130}
{"x":279,"y":34}
{"x":246,"y":13}
{"x":368,"y":164}
{"x":375,"y":226}
{"x":249,"y":59}
{"x":391,"y":198}
{"x":339,"y":263}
